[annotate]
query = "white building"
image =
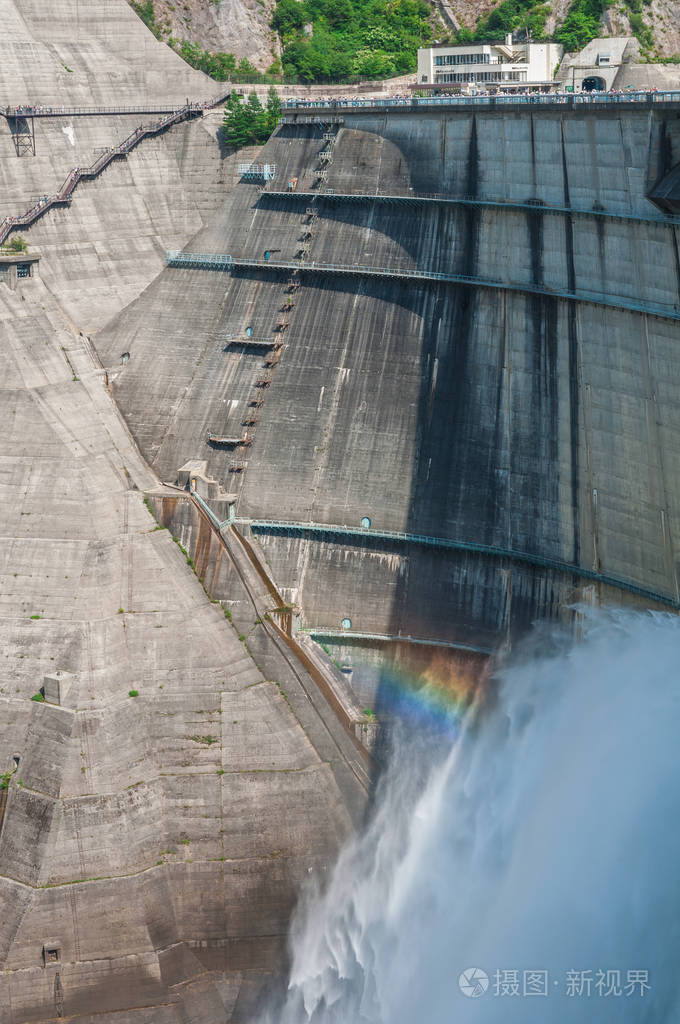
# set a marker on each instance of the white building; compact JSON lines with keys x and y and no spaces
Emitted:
{"x":502,"y":66}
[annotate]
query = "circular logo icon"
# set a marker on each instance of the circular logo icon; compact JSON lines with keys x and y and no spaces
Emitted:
{"x":473,"y":982}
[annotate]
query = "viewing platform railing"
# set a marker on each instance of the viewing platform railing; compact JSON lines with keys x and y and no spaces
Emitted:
{"x":24,"y":110}
{"x":57,"y":110}
{"x":224,"y":262}
{"x":585,"y":99}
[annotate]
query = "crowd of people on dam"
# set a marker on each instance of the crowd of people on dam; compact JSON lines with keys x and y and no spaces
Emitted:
{"x":520,"y":96}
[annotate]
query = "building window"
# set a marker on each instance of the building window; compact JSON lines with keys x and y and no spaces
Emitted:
{"x":473,"y":76}
{"x":464,"y":58}
{"x":23,"y":269}
{"x":51,"y":953}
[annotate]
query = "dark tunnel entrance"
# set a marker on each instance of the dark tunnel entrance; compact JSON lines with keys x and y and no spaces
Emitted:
{"x":593,"y":84}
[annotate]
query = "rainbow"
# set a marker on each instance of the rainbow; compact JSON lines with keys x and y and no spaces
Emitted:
{"x":437,"y":695}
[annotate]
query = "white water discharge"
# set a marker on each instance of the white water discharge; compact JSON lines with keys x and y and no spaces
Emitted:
{"x":542,"y":847}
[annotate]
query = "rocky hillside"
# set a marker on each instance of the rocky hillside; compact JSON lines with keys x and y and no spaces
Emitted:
{"x":661,"y":17}
{"x":656,"y":23}
{"x":243,"y":27}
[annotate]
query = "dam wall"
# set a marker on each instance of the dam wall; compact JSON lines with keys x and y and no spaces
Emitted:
{"x":109,"y":243}
{"x":94,"y":53}
{"x":160,"y":818}
{"x":503,"y":417}
{"x":166,"y":785}
{"x":163,"y":808}
{"x":102,"y":250}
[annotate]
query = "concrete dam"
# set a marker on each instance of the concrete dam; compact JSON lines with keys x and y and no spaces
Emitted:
{"x":535,"y":431}
{"x":440,"y":378}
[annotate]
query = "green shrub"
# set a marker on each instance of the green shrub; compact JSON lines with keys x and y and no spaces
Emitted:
{"x":581,"y":24}
{"x":133,"y":693}
{"x":219,"y":66}
{"x":17,"y":244}
{"x":643,"y":33}
{"x":148,"y":15}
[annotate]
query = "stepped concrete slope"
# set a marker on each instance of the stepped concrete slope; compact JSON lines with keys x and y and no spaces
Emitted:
{"x":151,"y":846}
{"x":155,"y":842}
{"x":519,"y":423}
{"x":89,"y":53}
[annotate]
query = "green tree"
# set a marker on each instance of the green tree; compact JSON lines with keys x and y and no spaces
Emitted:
{"x":257,"y":119}
{"x":249,"y":123}
{"x":273,"y":109}
{"x":289,"y":15}
{"x":373,"y":64}
{"x":510,"y":16}
{"x":244,"y":67}
{"x":371,"y":38}
{"x":236,"y":127}
{"x":219,"y":66}
{"x":581,"y":24}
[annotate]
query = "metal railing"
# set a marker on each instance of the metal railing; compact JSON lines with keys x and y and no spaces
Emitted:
{"x":333,"y":531}
{"x":350,"y":635}
{"x":225,"y":262}
{"x":591,"y":99}
{"x":65,"y":193}
{"x":440,"y":199}
{"x":209,"y":512}
{"x":27,"y":110}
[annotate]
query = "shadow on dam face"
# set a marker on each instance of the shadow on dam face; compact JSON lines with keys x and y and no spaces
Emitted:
{"x":473,"y":442}
{"x":485,"y":465}
{"x":485,"y":448}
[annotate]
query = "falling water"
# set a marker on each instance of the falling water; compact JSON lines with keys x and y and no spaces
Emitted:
{"x":541,"y":847}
